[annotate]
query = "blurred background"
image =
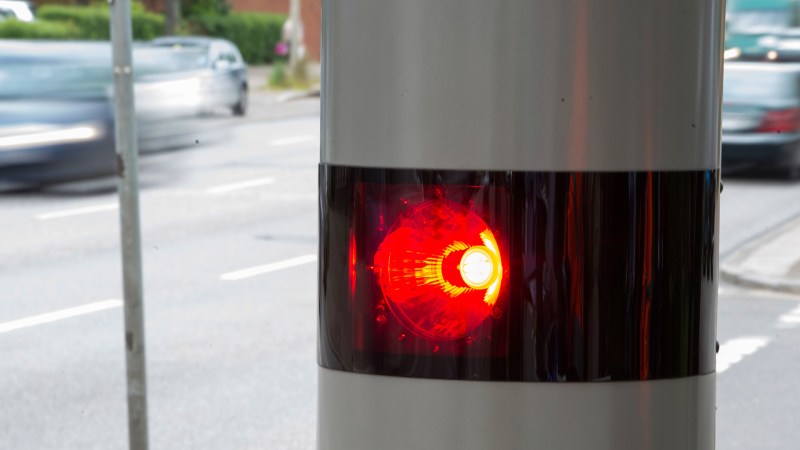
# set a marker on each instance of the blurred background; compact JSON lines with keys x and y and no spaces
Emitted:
{"x":227,"y":102}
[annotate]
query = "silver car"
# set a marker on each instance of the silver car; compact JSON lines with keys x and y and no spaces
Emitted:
{"x":16,"y":9}
{"x":219,"y":68}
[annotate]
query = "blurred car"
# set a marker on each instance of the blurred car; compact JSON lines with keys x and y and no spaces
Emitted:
{"x":761,"y":116}
{"x":56,"y":108}
{"x":16,"y":9}
{"x":55,"y":118}
{"x":779,"y":47}
{"x":217,"y":65}
{"x":751,"y":25}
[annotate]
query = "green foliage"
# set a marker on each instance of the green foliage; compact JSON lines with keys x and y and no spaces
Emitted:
{"x":147,"y":25}
{"x":194,"y":8}
{"x":40,"y":29}
{"x":93,"y":23}
{"x":136,"y":5}
{"x":254,"y":33}
{"x":278,"y":78}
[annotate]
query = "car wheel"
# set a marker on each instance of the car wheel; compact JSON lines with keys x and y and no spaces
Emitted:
{"x":240,"y":108}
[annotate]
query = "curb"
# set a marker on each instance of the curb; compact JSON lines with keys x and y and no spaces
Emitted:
{"x":296,"y":95}
{"x":750,"y":280}
{"x":731,"y":271}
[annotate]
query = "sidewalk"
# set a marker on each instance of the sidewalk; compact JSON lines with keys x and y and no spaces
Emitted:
{"x":770,"y":262}
{"x":266,"y":104}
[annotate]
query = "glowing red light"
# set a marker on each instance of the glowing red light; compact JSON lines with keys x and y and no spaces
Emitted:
{"x":440,"y":269}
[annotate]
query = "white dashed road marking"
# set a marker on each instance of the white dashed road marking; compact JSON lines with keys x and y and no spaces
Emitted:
{"x":260,"y":270}
{"x":790,"y":319}
{"x":78,"y":211}
{"x":59,"y":315}
{"x":733,"y":351}
{"x":240,"y":185}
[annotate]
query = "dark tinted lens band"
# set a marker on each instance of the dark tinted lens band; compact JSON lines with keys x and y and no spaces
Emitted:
{"x":605,"y":275}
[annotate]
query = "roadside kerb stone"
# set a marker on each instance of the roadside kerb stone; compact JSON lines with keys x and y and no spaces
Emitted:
{"x":767,"y":262}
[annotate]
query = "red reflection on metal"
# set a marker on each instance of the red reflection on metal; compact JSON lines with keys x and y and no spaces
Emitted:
{"x":353,"y":257}
{"x":440,"y":269}
{"x":575,"y":248}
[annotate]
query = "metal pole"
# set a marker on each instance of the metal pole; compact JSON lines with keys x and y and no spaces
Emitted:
{"x":127,"y":166}
{"x":294,"y":17}
{"x":172,"y":16}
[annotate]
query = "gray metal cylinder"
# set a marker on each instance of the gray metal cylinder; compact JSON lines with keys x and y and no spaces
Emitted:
{"x":567,"y":85}
{"x":391,"y":413}
{"x":529,"y":86}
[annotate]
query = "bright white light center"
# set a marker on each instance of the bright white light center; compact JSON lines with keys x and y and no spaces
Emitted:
{"x":477,"y":267}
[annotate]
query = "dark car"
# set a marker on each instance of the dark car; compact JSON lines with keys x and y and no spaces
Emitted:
{"x":56,"y":108}
{"x":55,"y":118}
{"x":761,"y":116}
{"x":218,"y":65}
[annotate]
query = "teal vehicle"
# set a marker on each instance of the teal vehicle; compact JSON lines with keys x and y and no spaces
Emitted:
{"x":752,"y":25}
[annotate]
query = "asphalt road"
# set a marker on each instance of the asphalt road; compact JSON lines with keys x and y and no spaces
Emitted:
{"x":231,"y":364}
{"x":229,"y":244}
{"x":759,"y":330}
{"x":753,"y":206}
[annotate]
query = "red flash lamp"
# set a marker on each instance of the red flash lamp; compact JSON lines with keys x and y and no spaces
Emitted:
{"x":440,"y":270}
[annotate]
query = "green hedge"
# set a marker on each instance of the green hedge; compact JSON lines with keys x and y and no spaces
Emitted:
{"x":92,"y":22}
{"x":41,"y":29}
{"x":254,"y":33}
